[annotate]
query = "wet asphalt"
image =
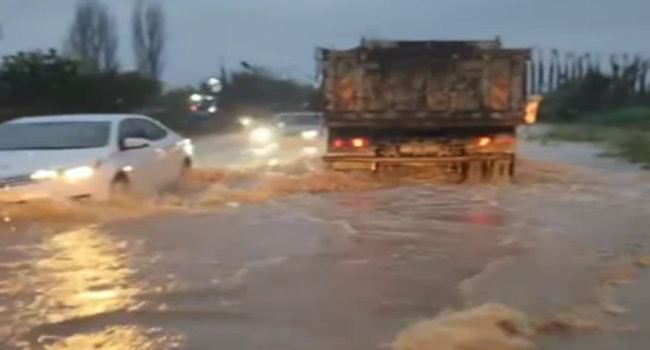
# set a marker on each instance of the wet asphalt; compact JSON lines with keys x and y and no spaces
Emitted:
{"x":329,"y":271}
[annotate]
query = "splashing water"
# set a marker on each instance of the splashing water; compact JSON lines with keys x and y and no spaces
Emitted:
{"x":210,"y":188}
{"x":488,"y":327}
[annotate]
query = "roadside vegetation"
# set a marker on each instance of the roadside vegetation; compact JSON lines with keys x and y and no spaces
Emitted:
{"x":588,"y":100}
{"x":85,"y":75}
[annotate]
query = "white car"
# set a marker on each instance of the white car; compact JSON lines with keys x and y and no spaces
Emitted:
{"x":91,"y":155}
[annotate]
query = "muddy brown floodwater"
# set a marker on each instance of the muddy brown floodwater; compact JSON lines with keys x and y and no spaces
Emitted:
{"x":298,"y":264}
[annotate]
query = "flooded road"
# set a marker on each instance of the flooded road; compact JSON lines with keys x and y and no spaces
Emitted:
{"x":337,"y":271}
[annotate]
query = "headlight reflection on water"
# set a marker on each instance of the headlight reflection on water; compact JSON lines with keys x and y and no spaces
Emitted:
{"x":119,"y":338}
{"x":76,"y":274}
{"x":86,"y":274}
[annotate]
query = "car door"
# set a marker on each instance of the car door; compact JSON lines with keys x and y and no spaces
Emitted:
{"x":145,"y":164}
{"x":170,"y":151}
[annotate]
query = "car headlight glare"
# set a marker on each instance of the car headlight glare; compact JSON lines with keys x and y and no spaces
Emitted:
{"x":261,"y":135}
{"x":44,"y":175}
{"x":311,"y":134}
{"x":246,"y":121}
{"x":80,"y":173}
{"x":187,"y":146}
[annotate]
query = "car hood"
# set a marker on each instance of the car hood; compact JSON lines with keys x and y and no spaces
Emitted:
{"x":13,"y":163}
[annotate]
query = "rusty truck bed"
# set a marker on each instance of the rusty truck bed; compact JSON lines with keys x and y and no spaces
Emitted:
{"x":435,"y":83}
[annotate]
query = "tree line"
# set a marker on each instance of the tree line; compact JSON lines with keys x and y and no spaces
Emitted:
{"x":85,"y":75}
{"x":578,"y":86}
{"x":93,"y":37}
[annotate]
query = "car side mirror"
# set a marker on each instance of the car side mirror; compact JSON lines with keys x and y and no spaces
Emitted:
{"x":134,"y":143}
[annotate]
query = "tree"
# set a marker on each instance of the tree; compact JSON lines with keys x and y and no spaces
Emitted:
{"x":92,"y":37}
{"x":149,"y":37}
{"x":45,"y":82}
{"x":259,"y":88}
{"x":35,"y":78}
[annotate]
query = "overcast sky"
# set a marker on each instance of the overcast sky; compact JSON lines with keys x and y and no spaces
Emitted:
{"x":283,"y":33}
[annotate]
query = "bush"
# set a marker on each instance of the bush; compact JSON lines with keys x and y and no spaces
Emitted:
{"x":578,"y":133}
{"x":633,"y":147}
{"x":631,"y":117}
{"x":47,"y":83}
{"x":576,"y":97}
{"x":630,"y":145}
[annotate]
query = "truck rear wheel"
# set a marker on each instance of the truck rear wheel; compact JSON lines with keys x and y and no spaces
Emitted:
{"x":501,"y":170}
{"x":498,"y":171}
{"x":474,"y":171}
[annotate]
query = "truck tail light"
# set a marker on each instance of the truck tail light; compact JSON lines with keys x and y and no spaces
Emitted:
{"x":507,"y":139}
{"x":358,"y":142}
{"x":483,"y":141}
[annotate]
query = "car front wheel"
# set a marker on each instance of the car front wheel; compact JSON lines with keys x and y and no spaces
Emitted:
{"x":187,"y":166}
{"x":183,"y":176}
{"x":120,"y":186}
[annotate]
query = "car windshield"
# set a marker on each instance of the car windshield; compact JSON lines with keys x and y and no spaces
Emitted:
{"x":302,"y":119}
{"x":53,"y":135}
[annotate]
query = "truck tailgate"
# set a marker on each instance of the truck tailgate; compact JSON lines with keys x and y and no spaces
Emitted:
{"x":427,"y":83}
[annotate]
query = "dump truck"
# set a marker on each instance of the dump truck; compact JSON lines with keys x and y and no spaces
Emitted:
{"x":452,"y":106}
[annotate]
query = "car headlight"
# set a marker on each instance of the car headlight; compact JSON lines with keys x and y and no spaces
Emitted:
{"x":78,"y":173}
{"x":311,"y":134}
{"x":246,"y":121}
{"x":187,"y":147}
{"x":261,"y":135}
{"x":44,"y":175}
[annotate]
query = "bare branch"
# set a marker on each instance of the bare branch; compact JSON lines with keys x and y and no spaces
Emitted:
{"x":92,"y":37}
{"x":149,"y":37}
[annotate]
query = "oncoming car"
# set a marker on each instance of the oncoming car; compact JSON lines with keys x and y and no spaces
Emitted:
{"x":294,"y":133}
{"x":88,"y":156}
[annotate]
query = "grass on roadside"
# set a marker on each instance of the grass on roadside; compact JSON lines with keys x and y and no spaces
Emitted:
{"x":579,"y":133}
{"x":623,"y":143}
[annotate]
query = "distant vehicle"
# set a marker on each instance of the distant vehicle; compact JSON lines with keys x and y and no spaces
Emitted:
{"x":206,"y":99}
{"x":247,"y":121}
{"x":88,"y":156}
{"x":296,"y":133}
{"x":447,"y":105}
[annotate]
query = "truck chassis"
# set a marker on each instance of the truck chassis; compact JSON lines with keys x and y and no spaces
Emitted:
{"x":489,"y":168}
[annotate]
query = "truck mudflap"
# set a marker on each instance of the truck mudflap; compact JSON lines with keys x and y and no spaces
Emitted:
{"x":476,"y":168}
